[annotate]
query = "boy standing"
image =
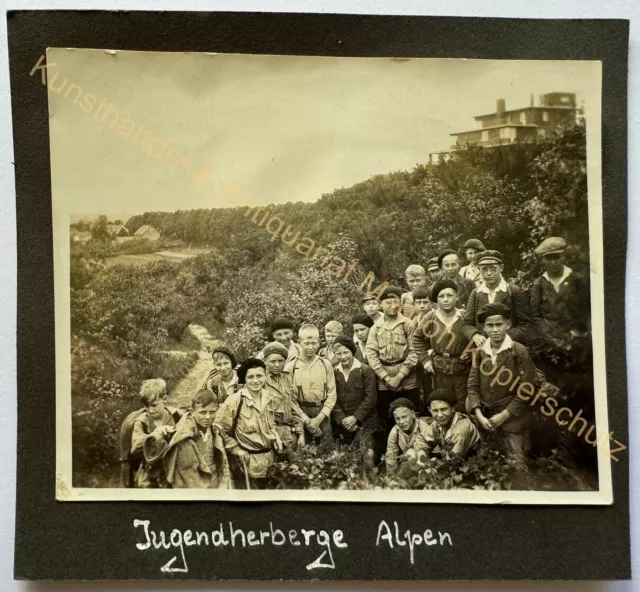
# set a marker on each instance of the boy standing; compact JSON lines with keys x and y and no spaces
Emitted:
{"x":415,"y":276}
{"x":315,"y":384}
{"x":449,"y":263}
{"x":434,"y":271}
{"x":440,"y":344}
{"x":361,"y":324}
{"x":496,"y":289}
{"x":222,"y":380}
{"x":282,"y":332}
{"x":493,"y":401}
{"x":471,"y":271}
{"x":195,"y":456}
{"x":331,"y":330}
{"x":371,"y":306}
{"x":390,"y":356}
{"x":421,"y":304}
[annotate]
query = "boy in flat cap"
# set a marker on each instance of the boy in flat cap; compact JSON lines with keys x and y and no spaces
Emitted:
{"x":496,"y":289}
{"x":361,"y":324}
{"x":560,"y":298}
{"x":471,"y":271}
{"x":390,"y":357}
{"x":450,"y":433}
{"x":434,"y":271}
{"x":222,"y":381}
{"x":331,"y":330}
{"x":354,"y":416}
{"x":371,"y":306}
{"x":493,"y":398}
{"x":449,"y":263}
{"x":407,"y":438}
{"x":415,"y":277}
{"x":440,"y":344}
{"x":315,"y":385}
{"x":289,"y":418}
{"x":282,"y":331}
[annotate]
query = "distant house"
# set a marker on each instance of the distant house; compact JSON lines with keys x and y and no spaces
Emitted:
{"x":148,"y":232}
{"x":117,"y":230}
{"x":81,"y":236}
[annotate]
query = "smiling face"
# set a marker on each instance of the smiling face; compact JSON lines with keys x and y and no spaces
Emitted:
{"x":344,"y":355}
{"x":442,"y":412}
{"x":275,"y":364}
{"x":255,"y":379}
{"x":224,"y":366}
{"x":204,"y":414}
{"x":450,"y":266}
{"x":391,"y":306}
{"x":361,"y":332}
{"x":404,"y":418}
{"x":283,"y":336}
{"x":496,"y":328}
{"x":414,"y":280}
{"x":447,"y":299}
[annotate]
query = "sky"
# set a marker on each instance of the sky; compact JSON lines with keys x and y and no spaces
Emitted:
{"x":277,"y":128}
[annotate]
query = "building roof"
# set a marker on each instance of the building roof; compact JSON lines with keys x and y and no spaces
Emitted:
{"x":142,"y":230}
{"x":489,"y":127}
{"x":544,"y":108}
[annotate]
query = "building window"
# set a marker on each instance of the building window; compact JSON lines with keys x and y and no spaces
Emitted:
{"x":523,"y":118}
{"x":545,"y":116}
{"x":508,"y":133}
{"x":484,"y":136}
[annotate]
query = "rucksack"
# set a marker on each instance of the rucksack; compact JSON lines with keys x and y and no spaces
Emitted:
{"x":130,"y":462}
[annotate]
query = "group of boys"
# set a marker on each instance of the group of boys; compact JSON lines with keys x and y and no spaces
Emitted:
{"x":437,"y":348}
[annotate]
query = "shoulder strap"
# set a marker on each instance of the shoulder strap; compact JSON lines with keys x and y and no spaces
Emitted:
{"x":234,"y":425}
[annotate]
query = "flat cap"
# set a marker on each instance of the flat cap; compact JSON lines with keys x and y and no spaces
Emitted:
{"x":432,"y":264}
{"x":444,"y":254}
{"x":493,"y":308}
{"x":275,"y":347}
{"x":368,"y":297}
{"x":551,"y":246}
{"x":474,"y":243}
{"x":281,"y":323}
{"x":489,"y":256}
{"x":390,"y":292}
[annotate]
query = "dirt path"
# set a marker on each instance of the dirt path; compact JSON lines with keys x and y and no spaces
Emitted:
{"x":188,"y":386}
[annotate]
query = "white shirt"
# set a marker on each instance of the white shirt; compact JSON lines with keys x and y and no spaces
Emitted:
{"x":501,"y":287}
{"x":449,"y":323}
{"x":346,"y":372}
{"x":506,"y":344}
{"x":566,"y":272}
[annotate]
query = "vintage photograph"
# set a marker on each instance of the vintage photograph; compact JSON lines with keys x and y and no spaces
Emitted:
{"x":322,"y":278}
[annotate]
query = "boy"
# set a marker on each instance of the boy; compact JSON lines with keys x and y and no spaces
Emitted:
{"x":421,"y":297}
{"x":415,"y":276}
{"x":434,"y":271}
{"x":371,"y":306}
{"x":288,"y":416}
{"x":452,"y":432}
{"x":390,"y":357}
{"x":496,"y":289}
{"x":282,"y":332}
{"x":440,"y":344}
{"x":195,"y":456}
{"x":315,"y":385}
{"x":156,"y":420}
{"x":222,"y":381}
{"x":247,"y":426}
{"x":471,"y":271}
{"x":354,"y":416}
{"x":361,"y":324}
{"x":331,"y":330}
{"x":449,"y":263}
{"x":407,"y":438}
{"x":492,"y":398}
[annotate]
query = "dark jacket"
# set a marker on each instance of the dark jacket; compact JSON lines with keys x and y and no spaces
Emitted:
{"x":357,"y":396}
{"x":565,"y":310}
{"x":521,"y":322}
{"x":465,"y":287}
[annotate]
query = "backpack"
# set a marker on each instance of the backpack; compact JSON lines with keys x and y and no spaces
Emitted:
{"x":130,"y":462}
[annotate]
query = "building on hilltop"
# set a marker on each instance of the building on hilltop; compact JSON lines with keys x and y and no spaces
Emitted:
{"x":551,"y":113}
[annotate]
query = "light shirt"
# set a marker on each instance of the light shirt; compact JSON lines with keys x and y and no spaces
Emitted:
{"x":501,"y":287}
{"x":566,"y":272}
{"x":347,"y":371}
{"x":506,"y":344}
{"x":449,"y":323}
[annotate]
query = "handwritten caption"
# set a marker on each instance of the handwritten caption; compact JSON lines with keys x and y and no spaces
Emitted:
{"x":326,"y":543}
